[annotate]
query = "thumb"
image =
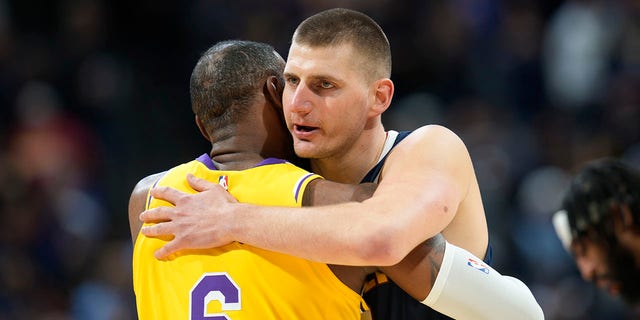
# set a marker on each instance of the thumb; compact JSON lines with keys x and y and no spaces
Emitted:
{"x":199,"y":184}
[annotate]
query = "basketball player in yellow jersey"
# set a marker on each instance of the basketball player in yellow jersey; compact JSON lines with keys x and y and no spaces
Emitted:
{"x":235,"y":92}
{"x":238,"y":281}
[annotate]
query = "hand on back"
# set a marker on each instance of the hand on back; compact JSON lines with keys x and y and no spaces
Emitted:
{"x":192,"y":224}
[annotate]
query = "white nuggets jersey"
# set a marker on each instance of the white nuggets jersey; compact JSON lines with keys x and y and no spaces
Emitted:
{"x":238,"y":281}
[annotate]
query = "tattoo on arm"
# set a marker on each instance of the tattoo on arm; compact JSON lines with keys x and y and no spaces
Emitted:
{"x":435,"y":262}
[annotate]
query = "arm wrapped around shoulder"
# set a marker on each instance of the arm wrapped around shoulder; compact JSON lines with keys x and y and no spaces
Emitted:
{"x":467,"y":288}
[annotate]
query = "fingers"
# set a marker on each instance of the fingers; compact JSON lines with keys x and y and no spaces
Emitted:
{"x":200,"y":184}
{"x":161,"y":231}
{"x":155,"y":215}
{"x":168,"y":194}
{"x":154,"y":231}
{"x":165,"y":252}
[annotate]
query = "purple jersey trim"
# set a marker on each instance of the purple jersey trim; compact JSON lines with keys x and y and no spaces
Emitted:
{"x":206,"y":160}
{"x":268,"y":161}
{"x":151,"y":197}
{"x":299,"y":185}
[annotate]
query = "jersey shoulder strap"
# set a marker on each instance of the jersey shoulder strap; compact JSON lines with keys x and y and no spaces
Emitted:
{"x":393,"y":138}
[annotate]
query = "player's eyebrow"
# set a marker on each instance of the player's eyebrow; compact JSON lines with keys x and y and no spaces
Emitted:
{"x":315,"y":77}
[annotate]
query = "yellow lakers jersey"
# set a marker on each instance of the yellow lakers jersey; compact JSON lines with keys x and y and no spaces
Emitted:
{"x":238,"y":281}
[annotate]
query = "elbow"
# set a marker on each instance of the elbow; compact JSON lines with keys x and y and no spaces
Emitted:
{"x":382,"y":248}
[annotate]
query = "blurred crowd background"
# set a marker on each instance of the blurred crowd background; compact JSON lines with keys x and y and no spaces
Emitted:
{"x":94,"y":96}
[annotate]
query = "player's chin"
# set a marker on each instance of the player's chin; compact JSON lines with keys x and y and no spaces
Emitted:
{"x":304,"y":149}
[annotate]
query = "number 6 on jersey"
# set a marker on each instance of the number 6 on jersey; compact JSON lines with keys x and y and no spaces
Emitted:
{"x":214,"y":286}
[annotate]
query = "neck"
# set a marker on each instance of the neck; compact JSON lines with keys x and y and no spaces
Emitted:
{"x":353,"y":164}
{"x":237,"y":151}
{"x":260,"y":134}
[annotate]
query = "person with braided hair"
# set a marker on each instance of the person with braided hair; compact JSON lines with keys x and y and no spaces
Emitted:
{"x":599,"y":224}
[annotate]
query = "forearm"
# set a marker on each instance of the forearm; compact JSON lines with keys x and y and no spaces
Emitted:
{"x":466,"y":288}
{"x":356,"y":233}
{"x":417,"y":272}
{"x":343,"y":234}
{"x":379,"y":231}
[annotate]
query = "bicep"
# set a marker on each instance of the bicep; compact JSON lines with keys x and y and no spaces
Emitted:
{"x":424,"y":181}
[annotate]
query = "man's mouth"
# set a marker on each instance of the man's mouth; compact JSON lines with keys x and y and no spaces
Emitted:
{"x":609,"y":285}
{"x":304,"y":128}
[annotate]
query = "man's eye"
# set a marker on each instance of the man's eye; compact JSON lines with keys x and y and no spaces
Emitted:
{"x":293,"y":81}
{"x":326,"y":85}
{"x":579,"y":249}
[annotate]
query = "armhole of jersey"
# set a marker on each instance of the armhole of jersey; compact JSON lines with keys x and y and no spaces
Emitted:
{"x":149,"y":197}
{"x":139,"y":238}
{"x":392,"y":135}
{"x":393,"y":138}
{"x":300,"y":186}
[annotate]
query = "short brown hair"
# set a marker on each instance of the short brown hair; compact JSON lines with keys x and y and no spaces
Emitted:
{"x":339,"y":26}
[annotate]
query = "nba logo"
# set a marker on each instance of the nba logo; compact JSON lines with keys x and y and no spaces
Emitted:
{"x":224,"y":182}
{"x":478,"y":265}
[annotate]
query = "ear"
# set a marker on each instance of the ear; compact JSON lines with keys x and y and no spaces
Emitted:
{"x":383,"y":93}
{"x":203,"y":131}
{"x":273,"y":91}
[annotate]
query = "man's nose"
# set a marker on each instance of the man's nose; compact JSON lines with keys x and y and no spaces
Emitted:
{"x":587,"y":268}
{"x":301,"y":99}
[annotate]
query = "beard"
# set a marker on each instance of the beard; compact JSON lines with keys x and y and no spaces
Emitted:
{"x":625,"y":271}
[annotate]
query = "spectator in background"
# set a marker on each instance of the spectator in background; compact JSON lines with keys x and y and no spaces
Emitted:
{"x":599,"y":224}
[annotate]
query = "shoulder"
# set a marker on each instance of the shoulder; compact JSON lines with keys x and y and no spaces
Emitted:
{"x":434,"y":131}
{"x":434,"y":149}
{"x":431,"y":139}
{"x":146,"y":183}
